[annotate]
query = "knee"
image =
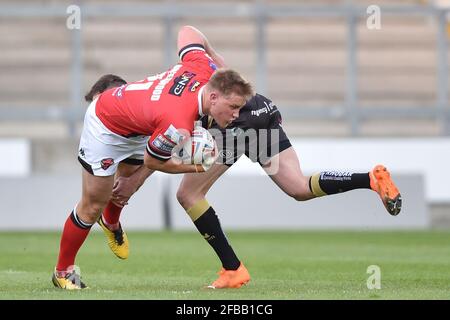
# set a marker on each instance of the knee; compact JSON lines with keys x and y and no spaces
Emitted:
{"x":90,"y":212}
{"x":188,"y":198}
{"x":301,"y":196}
{"x":301,"y":192}
{"x":183,"y":198}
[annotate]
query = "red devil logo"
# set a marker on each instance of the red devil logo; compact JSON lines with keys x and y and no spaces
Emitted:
{"x":106,"y":163}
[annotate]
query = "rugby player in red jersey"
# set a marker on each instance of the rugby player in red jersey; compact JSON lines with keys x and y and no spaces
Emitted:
{"x":145,"y":120}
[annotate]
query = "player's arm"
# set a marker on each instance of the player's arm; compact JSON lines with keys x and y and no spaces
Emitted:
{"x":189,"y":35}
{"x":170,"y":165}
{"x":158,"y":155}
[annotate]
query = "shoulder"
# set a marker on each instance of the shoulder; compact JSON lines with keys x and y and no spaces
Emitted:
{"x":261,"y":101}
{"x":258,"y":101}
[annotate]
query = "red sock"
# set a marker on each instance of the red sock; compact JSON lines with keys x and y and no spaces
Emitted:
{"x":111,"y":214}
{"x":73,"y":236}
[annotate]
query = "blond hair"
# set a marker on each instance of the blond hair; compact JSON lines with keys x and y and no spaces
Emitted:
{"x":228,"y":81}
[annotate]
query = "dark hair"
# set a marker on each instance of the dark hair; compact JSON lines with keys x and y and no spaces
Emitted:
{"x":105,"y":82}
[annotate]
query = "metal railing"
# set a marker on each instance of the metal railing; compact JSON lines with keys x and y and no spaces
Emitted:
{"x":258,"y":12}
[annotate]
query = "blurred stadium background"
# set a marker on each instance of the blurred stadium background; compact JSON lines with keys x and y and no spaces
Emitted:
{"x":350,"y":97}
{"x":379,"y":95}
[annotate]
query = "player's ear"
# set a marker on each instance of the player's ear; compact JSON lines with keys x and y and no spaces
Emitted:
{"x":213,"y":96}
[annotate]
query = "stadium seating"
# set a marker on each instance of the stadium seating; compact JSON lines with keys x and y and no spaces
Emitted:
{"x":306,"y":63}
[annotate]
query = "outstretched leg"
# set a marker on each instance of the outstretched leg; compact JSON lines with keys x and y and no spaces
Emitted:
{"x":289,"y":177}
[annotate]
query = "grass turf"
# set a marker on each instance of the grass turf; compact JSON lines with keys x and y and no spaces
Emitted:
{"x":283,"y":265}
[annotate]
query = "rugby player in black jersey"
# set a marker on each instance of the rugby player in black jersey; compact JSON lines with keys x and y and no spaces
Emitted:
{"x":257,"y":133}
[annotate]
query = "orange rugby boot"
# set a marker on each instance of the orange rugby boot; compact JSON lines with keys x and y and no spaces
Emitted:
{"x":381,"y":182}
{"x":231,"y":278}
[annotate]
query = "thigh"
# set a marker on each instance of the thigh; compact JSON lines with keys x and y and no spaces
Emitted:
{"x":96,"y":188}
{"x":96,"y":192}
{"x":284,"y":169}
{"x":196,"y":185}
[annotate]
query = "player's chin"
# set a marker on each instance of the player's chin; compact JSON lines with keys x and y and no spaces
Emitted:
{"x":224,"y":124}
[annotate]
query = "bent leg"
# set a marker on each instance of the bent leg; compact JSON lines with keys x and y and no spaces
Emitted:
{"x":95,"y":194}
{"x":191,"y":195}
{"x":288,"y":176}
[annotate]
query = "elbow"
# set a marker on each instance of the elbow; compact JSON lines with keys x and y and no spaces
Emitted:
{"x":186,"y":28}
{"x":188,"y":35}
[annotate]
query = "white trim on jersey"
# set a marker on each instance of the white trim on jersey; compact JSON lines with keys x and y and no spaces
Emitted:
{"x":200,"y":104}
{"x":189,"y":48}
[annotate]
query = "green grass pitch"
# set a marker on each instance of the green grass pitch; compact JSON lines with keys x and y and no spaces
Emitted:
{"x":283,"y":265}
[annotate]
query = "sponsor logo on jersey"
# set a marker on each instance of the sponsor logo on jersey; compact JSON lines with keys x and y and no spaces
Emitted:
{"x":193,"y":86}
{"x":267,"y":109}
{"x":163,"y":144}
{"x":180,"y":83}
{"x":81,"y":152}
{"x":106,"y":163}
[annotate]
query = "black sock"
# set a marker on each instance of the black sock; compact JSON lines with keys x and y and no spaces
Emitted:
{"x":208,"y":225}
{"x":332,"y":182}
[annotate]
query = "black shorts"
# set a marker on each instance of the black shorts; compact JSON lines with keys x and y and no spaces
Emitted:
{"x":258,"y":144}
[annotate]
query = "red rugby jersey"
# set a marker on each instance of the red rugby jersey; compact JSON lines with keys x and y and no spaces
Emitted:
{"x":161,"y":105}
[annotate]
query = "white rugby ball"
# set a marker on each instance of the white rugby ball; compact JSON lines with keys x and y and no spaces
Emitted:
{"x":202,"y":145}
{"x":196,"y":148}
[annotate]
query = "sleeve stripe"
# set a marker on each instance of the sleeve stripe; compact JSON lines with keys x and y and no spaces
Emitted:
{"x":157,"y":156}
{"x":190,"y":47}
